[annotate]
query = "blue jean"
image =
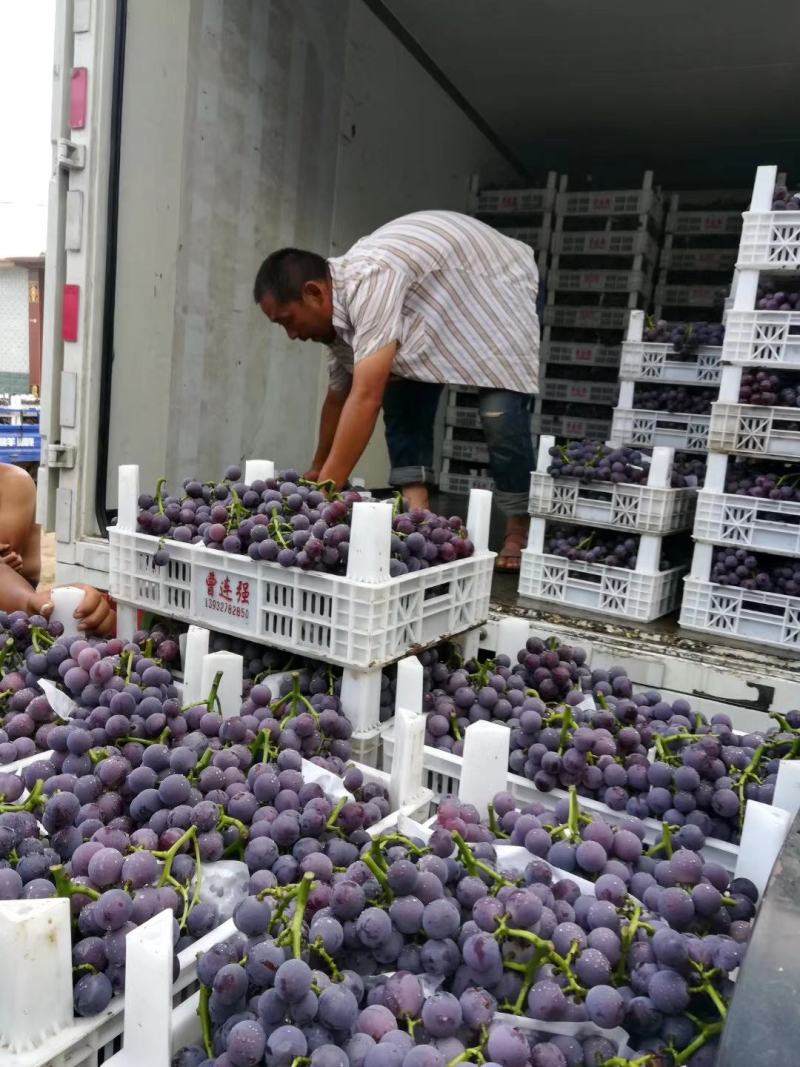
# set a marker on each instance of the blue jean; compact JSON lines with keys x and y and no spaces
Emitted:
{"x":409,"y":410}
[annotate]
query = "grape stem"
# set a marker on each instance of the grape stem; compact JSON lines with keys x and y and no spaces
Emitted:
{"x":296,"y":925}
{"x":665,"y":844}
{"x":35,"y":799}
{"x":160,"y":494}
{"x":747,"y":774}
{"x":205,"y":1021}
{"x":198,"y":881}
{"x":380,"y":876}
{"x":706,"y":1033}
{"x":172,"y":852}
{"x":474,"y":865}
{"x":494,"y":826}
{"x":318,"y":947}
{"x":65,"y":887}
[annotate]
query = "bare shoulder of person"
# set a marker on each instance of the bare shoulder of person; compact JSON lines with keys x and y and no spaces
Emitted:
{"x":15,"y":482}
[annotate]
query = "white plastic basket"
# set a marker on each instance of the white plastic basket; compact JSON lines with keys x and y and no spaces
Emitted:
{"x":580,"y":392}
{"x":464,"y":418}
{"x":442,"y":774}
{"x":762,"y":338}
{"x":704,"y":222}
{"x":699,"y":259}
{"x":352,"y":623}
{"x":598,"y":281}
{"x":770,"y":240}
{"x":466,"y":451}
{"x":699,"y":296}
{"x":533,"y":236}
{"x":636,"y":426}
{"x":603,"y":243}
{"x":515,"y":201}
{"x":752,"y":430}
{"x":607,"y":202}
{"x":578,"y":353}
{"x":653,"y":361}
{"x":462,"y":484}
{"x":595,"y":587}
{"x":748,"y":522}
{"x":639,"y":508}
{"x":589,"y":318}
{"x":748,"y":615}
{"x":574,"y":429}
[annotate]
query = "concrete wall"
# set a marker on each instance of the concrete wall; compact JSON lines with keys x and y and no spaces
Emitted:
{"x":14,"y":321}
{"x":230,"y":131}
{"x":403,"y":146}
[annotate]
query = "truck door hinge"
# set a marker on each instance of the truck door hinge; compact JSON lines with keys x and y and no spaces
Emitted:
{"x":62,"y":456}
{"x":71,"y":156}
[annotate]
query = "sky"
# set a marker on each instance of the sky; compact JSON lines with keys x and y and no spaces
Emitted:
{"x":26,"y":80}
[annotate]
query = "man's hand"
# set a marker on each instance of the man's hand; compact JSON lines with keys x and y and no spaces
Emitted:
{"x":312,"y":475}
{"x":11,"y":558}
{"x":94,"y":614}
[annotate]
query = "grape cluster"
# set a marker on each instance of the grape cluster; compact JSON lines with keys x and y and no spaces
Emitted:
{"x":586,"y":545}
{"x":745,"y":570}
{"x":669,"y":875}
{"x":686,"y":338}
{"x":782,"y":200}
{"x":412,"y":950}
{"x":771,"y":481}
{"x":292,"y":522}
{"x":770,"y":298}
{"x":674,"y":398}
{"x":594,"y":461}
{"x":767,"y":389}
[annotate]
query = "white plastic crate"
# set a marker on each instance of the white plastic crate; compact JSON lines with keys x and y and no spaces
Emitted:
{"x":462,"y":484}
{"x":515,"y":201}
{"x":580,"y":392}
{"x":704,"y":222}
{"x":748,"y":522}
{"x":360,"y":621}
{"x":589,"y":318}
{"x":654,"y":508}
{"x":598,"y":281}
{"x":770,"y":240}
{"x":700,"y":296}
{"x":573,"y":428}
{"x":752,"y":430}
{"x":465,"y":418}
{"x":654,"y":361}
{"x":580,"y":353}
{"x":748,"y":615}
{"x":442,"y":775}
{"x":533,"y":236}
{"x":636,"y":426}
{"x":762,"y":338}
{"x":595,"y":587}
{"x":603,"y":243}
{"x":699,"y":259}
{"x":466,"y":451}
{"x":607,"y":202}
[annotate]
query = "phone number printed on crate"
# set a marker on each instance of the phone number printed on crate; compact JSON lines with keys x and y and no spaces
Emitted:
{"x":227,"y":596}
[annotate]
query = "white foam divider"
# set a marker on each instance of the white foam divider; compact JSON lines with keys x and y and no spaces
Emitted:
{"x":36,"y":978}
{"x":66,"y":600}
{"x":258,"y":470}
{"x":511,"y":637}
{"x":787,"y":787}
{"x":479,"y":514}
{"x":485,"y":769}
{"x":195,"y":652}
{"x":370,"y":539}
{"x":361,"y":697}
{"x":230,"y":686}
{"x":148,"y":995}
{"x":408,"y":691}
{"x":127,"y":496}
{"x":764,"y":831}
{"x":406,"y":774}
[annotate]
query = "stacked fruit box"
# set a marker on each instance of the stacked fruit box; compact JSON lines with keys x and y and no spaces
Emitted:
{"x":604,"y":250}
{"x":666,"y":390}
{"x":525,"y":215}
{"x":745,"y":577}
{"x":701,"y":235}
{"x":605,"y":545}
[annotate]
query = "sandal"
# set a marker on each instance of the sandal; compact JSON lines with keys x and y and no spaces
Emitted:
{"x":509,"y":558}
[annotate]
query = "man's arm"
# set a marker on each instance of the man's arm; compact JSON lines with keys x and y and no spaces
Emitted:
{"x":359,"y":414}
{"x":328,"y":422}
{"x":20,"y":537}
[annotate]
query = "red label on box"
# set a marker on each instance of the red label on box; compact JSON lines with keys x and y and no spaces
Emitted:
{"x":227,"y":595}
{"x":78,"y":97}
{"x":69,"y":314}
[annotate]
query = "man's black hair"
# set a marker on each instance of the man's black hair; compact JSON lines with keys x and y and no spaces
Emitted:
{"x":284,"y":273}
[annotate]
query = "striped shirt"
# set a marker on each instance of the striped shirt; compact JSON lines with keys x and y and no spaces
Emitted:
{"x":457,"y":297}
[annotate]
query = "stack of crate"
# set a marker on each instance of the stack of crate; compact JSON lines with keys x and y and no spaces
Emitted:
{"x":604,"y":251}
{"x":525,"y":215}
{"x":760,"y":532}
{"x":701,"y":237}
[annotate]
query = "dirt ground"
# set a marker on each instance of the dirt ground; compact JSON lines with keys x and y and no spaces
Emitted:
{"x":48,"y":559}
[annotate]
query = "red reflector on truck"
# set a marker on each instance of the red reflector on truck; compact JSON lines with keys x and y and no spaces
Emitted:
{"x":77,"y":97}
{"x":69,"y":318}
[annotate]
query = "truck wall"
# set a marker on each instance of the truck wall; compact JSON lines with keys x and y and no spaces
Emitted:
{"x":404,"y":146}
{"x":230,"y":124}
